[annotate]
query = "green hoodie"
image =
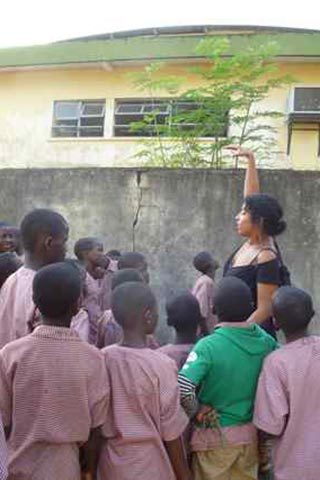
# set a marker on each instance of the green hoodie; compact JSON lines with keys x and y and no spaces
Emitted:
{"x":226,"y":367}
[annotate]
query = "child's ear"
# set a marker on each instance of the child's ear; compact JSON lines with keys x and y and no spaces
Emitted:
{"x":74,"y":309}
{"x":148,"y":316}
{"x":276,"y":324}
{"x":48,"y":242}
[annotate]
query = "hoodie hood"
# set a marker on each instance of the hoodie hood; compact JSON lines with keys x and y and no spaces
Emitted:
{"x":253,"y":340}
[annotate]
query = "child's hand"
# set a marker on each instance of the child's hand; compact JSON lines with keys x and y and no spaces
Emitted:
{"x":264,"y":447}
{"x":86,"y":476}
{"x":207,"y":416}
{"x":265,"y":468}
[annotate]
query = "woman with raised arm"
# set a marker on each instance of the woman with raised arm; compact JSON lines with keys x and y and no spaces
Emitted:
{"x":257,"y":262}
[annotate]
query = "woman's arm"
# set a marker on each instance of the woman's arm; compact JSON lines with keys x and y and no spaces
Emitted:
{"x":264,"y":291}
{"x":251,"y":182}
{"x":264,"y":296}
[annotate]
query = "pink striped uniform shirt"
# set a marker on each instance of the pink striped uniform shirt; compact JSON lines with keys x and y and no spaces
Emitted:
{"x":18,"y":313}
{"x":203,"y":291}
{"x":144,"y":412}
{"x":288,"y":406}
{"x":53,"y":390}
{"x":179,"y":353}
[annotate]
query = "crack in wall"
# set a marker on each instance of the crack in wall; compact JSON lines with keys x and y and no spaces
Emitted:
{"x":138,"y":209}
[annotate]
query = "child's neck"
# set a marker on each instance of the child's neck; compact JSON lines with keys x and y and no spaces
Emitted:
{"x":134,"y":339}
{"x":57,"y":322}
{"x":210,"y":273}
{"x":89,"y":268}
{"x":32,"y":261}
{"x":185,"y":339}
{"x":292,"y":337}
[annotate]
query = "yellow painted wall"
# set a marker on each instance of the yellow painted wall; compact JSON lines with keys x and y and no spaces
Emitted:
{"x":26,"y":108}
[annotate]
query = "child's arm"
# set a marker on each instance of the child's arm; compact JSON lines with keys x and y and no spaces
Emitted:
{"x":90,"y":453}
{"x":173,"y":420}
{"x":99,"y":390}
{"x":7,"y":431}
{"x":192,"y":374}
{"x":271,"y":407}
{"x":178,"y":459}
{"x":265,"y":443}
{"x":6,"y":395}
{"x":188,"y":396}
{"x":204,"y":414}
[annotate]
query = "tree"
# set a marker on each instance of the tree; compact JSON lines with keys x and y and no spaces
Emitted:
{"x":225,"y":108}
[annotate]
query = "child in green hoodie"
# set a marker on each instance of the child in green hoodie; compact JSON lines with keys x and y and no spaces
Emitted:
{"x":223,"y":369}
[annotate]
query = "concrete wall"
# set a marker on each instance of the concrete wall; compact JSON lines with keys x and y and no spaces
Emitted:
{"x":26,"y":107}
{"x":179,"y":212}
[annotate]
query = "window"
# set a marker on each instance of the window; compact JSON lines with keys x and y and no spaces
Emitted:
{"x":164,"y":115}
{"x":306,"y":100}
{"x":304,"y":113}
{"x":82,"y":118}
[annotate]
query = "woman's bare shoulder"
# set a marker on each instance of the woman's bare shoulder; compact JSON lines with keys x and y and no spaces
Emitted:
{"x":266,"y":255}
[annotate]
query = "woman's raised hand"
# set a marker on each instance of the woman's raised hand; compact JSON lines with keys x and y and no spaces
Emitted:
{"x":239,"y":151}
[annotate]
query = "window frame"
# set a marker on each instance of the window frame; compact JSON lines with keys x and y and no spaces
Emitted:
{"x":78,"y":127}
{"x":149,"y":101}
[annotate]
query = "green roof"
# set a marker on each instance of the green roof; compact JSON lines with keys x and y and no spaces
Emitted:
{"x":158,"y":45}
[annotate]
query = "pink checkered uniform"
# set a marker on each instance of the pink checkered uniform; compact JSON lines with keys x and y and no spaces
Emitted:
{"x":106,"y":284}
{"x":80,"y":323}
{"x":288,"y":406}
{"x":179,"y":353}
{"x":203,"y":291}
{"x":18,"y":313}
{"x":53,"y":391}
{"x":144,"y":412}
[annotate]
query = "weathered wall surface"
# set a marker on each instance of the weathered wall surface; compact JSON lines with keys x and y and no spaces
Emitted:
{"x":177,"y":212}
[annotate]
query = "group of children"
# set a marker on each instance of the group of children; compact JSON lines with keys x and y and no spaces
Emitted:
{"x":86,"y":391}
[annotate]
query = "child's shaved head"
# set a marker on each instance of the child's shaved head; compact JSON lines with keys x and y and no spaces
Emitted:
{"x":134,"y":260}
{"x":292,"y":309}
{"x":183,"y":312}
{"x":56,"y":289}
{"x":203,"y":262}
{"x":133,"y":304}
{"x":85,"y":245}
{"x":126,"y":275}
{"x":232,"y":300}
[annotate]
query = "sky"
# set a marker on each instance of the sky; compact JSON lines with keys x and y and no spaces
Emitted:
{"x":29,"y":22}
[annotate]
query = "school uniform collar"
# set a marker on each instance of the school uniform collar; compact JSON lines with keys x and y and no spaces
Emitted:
{"x":301,"y":342}
{"x":58,"y":333}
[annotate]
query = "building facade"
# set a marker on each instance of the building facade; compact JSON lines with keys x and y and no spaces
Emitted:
{"x":69,"y":104}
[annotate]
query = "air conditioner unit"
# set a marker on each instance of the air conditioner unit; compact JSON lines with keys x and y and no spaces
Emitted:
{"x":305,"y":101}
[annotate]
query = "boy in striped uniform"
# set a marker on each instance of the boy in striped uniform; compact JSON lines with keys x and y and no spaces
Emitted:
{"x":44,"y":236}
{"x":183,"y":314}
{"x":54,"y":390}
{"x":287,"y":407}
{"x":145,"y":422}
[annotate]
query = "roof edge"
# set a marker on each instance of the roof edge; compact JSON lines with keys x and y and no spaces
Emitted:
{"x":187,"y":30}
